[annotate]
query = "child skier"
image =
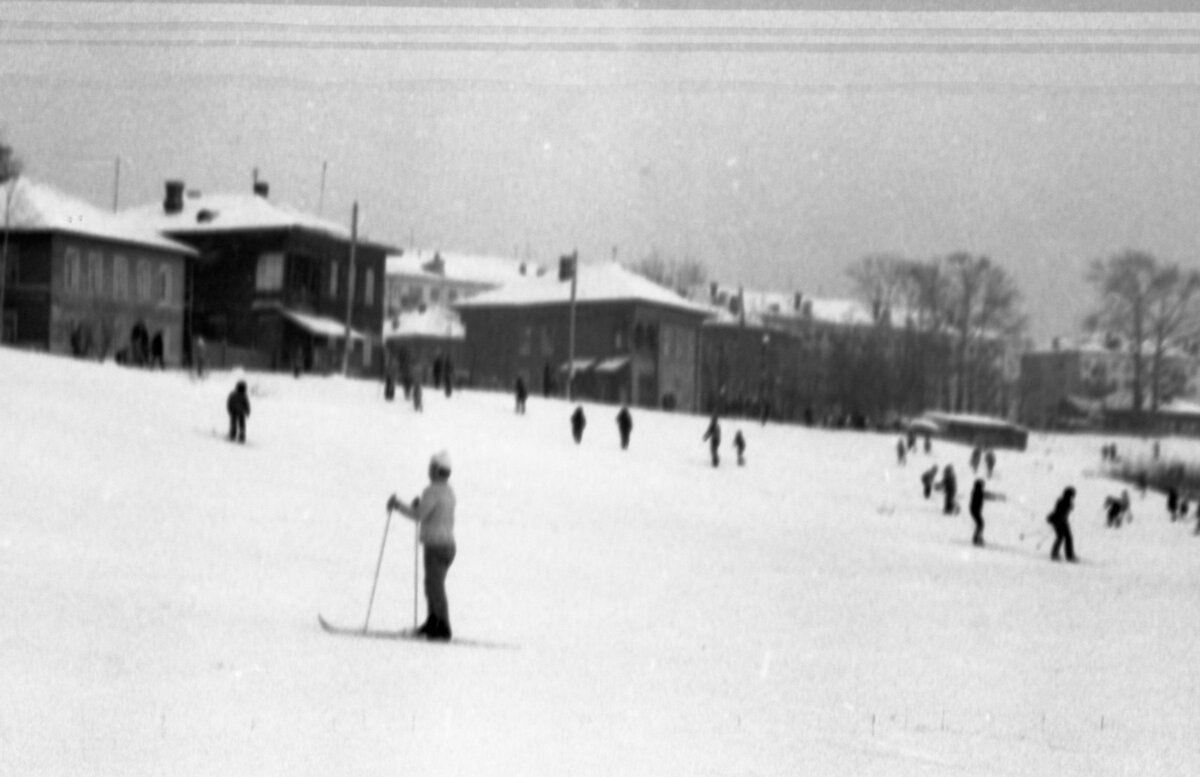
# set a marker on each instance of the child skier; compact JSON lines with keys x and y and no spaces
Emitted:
{"x":927,"y":478}
{"x":434,"y":511}
{"x":238,"y":406}
{"x":978,"y":496}
{"x":1059,"y":520}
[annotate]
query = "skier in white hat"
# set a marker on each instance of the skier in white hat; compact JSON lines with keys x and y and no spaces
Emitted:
{"x":434,"y":511}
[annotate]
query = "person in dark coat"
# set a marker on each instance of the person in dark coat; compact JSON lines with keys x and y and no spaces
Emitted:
{"x":156,"y":352}
{"x":522,"y":395}
{"x":713,"y":436}
{"x":238,"y":406}
{"x":927,"y":479}
{"x":1173,"y":503}
{"x":578,"y":422}
{"x":901,"y":451}
{"x":624,"y":426}
{"x":739,"y":445}
{"x":949,"y":486}
{"x":448,"y":376}
{"x":1059,"y":521}
{"x":978,"y":496}
{"x":416,"y":396}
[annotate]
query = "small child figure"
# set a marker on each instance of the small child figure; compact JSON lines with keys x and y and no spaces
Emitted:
{"x":238,"y":406}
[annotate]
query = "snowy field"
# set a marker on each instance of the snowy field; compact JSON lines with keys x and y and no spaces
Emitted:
{"x":644,"y":614}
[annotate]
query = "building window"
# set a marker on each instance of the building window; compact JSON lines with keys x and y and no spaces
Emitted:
{"x":369,"y":287}
{"x":120,"y":285}
{"x":143,"y":280}
{"x":164,"y":285}
{"x":95,"y":273}
{"x":269,"y":275}
{"x":333,"y":279}
{"x":619,"y":339}
{"x":72,"y":270}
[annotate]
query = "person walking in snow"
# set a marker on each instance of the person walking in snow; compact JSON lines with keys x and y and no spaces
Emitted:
{"x":713,"y":436}
{"x":522,"y":395}
{"x":739,"y":445}
{"x":1116,"y":510}
{"x":448,"y":375}
{"x":624,"y":426}
{"x":238,"y":406}
{"x":578,"y":423}
{"x":949,"y":486}
{"x":978,"y":495}
{"x":976,"y":457}
{"x":1059,"y":521}
{"x":901,"y":452}
{"x":416,"y":396}
{"x":1173,"y":503}
{"x":927,"y":478}
{"x":989,"y":461}
{"x":433,"y":510}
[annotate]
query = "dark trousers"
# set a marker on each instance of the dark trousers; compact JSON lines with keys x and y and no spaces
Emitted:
{"x":624,"y":439}
{"x":716,"y":460}
{"x":977,"y":517}
{"x":237,"y":427}
{"x":438,"y":559}
{"x":1063,"y":539}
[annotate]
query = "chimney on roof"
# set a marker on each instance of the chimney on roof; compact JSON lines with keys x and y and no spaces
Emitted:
{"x":797,"y":299}
{"x":173,"y":202}
{"x":262,"y":189}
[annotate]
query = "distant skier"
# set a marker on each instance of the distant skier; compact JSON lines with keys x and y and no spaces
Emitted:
{"x":1173,"y":503}
{"x":1059,"y":521}
{"x":911,"y":440}
{"x":522,"y":395}
{"x":578,"y":422}
{"x":739,"y":445}
{"x":927,"y":478}
{"x":156,"y":352}
{"x":949,"y":486}
{"x":978,"y":495}
{"x":238,"y":406}
{"x":976,"y":457}
{"x":1117,"y":510}
{"x":448,"y":375}
{"x":713,"y":436}
{"x":624,"y":426}
{"x":434,"y":511}
{"x":901,"y":452}
{"x":928,"y":444}
{"x":989,"y":461}
{"x":417,"y":391}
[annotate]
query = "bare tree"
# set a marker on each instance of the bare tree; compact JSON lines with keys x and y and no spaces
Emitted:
{"x":880,"y":280}
{"x":1125,"y":284}
{"x":10,"y":173}
{"x":1172,"y":317}
{"x":985,"y":317}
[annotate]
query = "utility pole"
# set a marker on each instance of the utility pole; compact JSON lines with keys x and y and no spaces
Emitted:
{"x":573,"y":260}
{"x":350,"y":288}
{"x":117,"y":184}
{"x":321,"y":196}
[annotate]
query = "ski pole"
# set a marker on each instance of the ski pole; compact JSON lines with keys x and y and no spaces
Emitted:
{"x":378,"y":566}
{"x":416,"y":547}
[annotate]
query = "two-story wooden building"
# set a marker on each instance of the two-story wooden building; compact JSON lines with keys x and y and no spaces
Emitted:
{"x":273,"y":282}
{"x":635,"y":341}
{"x":78,"y":280}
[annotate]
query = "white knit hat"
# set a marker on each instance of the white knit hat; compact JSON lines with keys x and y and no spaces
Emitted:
{"x":441,"y":460}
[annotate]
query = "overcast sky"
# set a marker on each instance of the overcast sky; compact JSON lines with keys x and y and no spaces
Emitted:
{"x":777,"y":147}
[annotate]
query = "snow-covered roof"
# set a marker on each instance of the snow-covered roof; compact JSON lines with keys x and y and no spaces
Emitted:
{"x":760,"y":304}
{"x":213,"y":213}
{"x":971,"y":419}
{"x":435,"y":321}
{"x":465,"y":268}
{"x":601,"y":282}
{"x":37,"y":206}
{"x":322,"y":326}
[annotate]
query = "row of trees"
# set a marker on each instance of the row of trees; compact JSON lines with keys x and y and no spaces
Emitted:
{"x":10,"y":170}
{"x":944,"y":324}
